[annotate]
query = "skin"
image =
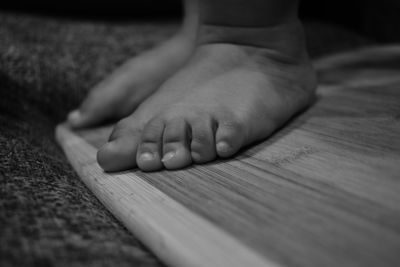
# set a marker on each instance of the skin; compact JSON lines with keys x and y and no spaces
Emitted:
{"x":249,"y":73}
{"x":128,"y":86}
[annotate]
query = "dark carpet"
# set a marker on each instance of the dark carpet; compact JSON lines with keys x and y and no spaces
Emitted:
{"x":47,"y":216}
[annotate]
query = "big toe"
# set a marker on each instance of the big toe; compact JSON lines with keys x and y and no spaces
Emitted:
{"x":120,"y":152}
{"x":110,"y":99}
{"x":97,"y":107}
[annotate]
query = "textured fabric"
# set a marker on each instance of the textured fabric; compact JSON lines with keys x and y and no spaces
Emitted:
{"x":47,"y":216}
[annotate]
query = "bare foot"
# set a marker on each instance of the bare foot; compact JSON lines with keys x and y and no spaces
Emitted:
{"x":228,"y":95}
{"x":120,"y":93}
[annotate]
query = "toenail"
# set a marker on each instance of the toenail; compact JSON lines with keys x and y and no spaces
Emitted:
{"x":223,"y":147}
{"x":147,"y":156}
{"x":168,"y":156}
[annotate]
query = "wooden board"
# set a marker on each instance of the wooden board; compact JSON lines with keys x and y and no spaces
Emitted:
{"x":322,"y":191}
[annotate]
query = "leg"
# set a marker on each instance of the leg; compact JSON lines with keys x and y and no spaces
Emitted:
{"x":249,"y":74}
{"x":121,"y":93}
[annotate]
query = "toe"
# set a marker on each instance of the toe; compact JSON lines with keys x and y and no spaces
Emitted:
{"x":111,"y":98}
{"x":76,"y":119}
{"x":229,"y":138}
{"x":203,"y":144}
{"x":120,"y":152}
{"x":150,"y":147}
{"x":176,"y":151}
{"x":97,"y":106}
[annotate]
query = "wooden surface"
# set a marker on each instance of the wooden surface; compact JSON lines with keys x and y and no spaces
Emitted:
{"x":322,"y":191}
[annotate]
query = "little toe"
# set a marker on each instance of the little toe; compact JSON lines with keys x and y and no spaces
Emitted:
{"x":150,"y":148}
{"x":176,"y":151}
{"x":229,"y":138}
{"x":203,"y":143}
{"x":120,"y":152}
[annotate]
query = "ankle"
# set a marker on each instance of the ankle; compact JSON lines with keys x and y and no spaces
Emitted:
{"x":190,"y":22}
{"x":286,"y":39}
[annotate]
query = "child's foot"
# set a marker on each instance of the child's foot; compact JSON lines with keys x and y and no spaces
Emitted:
{"x":231,"y":93}
{"x":120,"y":94}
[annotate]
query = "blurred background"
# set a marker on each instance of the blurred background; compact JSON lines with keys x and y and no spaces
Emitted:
{"x":377,"y":20}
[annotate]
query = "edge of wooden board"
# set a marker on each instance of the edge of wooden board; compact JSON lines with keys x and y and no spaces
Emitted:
{"x":176,"y":235}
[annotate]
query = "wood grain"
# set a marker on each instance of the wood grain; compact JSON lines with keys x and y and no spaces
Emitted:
{"x":174,"y":233}
{"x":322,"y":191}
